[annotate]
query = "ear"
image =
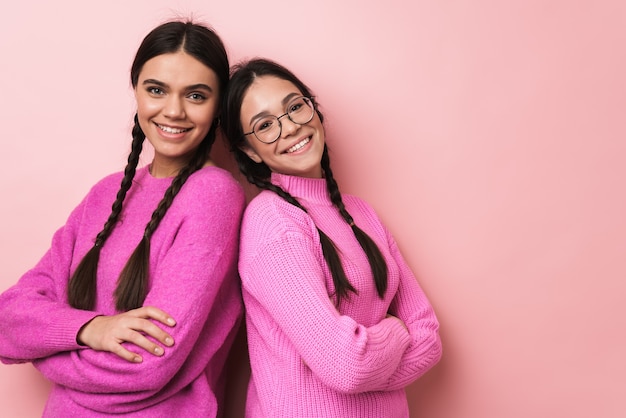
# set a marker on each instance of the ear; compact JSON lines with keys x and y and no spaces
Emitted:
{"x":251,"y":153}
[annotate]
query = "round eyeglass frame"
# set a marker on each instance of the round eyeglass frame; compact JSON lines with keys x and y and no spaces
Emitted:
{"x":310,"y":103}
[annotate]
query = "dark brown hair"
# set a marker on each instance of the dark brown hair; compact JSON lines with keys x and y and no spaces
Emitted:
{"x":242,"y":77}
{"x":205,"y":45}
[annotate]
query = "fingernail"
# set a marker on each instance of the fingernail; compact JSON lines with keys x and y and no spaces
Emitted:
{"x":171,"y":321}
{"x":158,"y":350}
{"x":169,"y":341}
{"x":137,"y":359}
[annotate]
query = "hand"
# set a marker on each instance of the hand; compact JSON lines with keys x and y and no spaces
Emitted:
{"x":107,"y":333}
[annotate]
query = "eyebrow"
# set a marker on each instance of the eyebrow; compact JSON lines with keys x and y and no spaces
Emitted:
{"x":284,"y":102}
{"x":198,"y":86}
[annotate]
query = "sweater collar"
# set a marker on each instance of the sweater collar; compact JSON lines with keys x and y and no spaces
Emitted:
{"x":309,"y":189}
{"x":144,"y":178}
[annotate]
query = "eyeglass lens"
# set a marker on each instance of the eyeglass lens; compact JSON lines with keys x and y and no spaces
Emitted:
{"x":299,"y":110}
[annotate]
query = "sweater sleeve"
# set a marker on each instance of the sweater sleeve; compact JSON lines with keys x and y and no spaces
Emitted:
{"x":413,"y":308}
{"x":284,"y":284}
{"x":37,"y":320}
{"x":195,"y":281}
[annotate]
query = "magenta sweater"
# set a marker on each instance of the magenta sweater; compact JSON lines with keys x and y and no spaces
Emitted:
{"x":192,"y":277}
{"x":309,"y":359}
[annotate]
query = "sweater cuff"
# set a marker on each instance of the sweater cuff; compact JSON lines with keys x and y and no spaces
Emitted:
{"x":61,"y":334}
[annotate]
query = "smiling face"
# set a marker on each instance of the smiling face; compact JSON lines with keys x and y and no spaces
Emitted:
{"x":177,"y":100}
{"x":298,"y":150}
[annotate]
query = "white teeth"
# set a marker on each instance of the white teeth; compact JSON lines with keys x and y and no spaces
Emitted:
{"x":172,"y":130}
{"x":298,"y":145}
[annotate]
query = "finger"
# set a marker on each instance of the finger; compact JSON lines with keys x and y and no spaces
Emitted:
{"x":156,"y":314}
{"x":148,"y":328}
{"x":123,"y":353}
{"x":142,"y":342}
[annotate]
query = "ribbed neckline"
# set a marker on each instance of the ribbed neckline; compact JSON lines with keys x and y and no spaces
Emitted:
{"x":143,"y":176}
{"x":310,"y":189}
{"x":145,"y":179}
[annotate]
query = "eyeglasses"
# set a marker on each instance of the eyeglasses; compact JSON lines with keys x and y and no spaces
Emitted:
{"x":300,"y":110}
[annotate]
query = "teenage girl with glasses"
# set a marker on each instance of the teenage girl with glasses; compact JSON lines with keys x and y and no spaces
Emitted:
{"x":337,"y":323}
{"x":133,"y":309}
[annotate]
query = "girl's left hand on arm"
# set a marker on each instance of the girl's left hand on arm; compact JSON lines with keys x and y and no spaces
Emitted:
{"x":107,"y":333}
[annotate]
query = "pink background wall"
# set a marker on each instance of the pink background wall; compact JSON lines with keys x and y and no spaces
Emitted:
{"x":489,"y":135}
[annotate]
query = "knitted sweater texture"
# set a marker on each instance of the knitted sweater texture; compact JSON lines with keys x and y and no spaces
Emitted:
{"x":308,"y":358}
{"x":193,"y":277}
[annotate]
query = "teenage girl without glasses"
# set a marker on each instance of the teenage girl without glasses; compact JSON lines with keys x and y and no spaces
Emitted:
{"x":133,"y":309}
{"x":337,"y":323}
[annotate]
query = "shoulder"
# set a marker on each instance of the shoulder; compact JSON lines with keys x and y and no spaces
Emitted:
{"x":355,"y":203}
{"x":365,"y":216}
{"x":267,"y":205}
{"x":111,"y":181}
{"x":214,"y":178}
{"x":214,"y":185}
{"x":272,"y":225}
{"x":104,"y":191}
{"x":270,"y":215}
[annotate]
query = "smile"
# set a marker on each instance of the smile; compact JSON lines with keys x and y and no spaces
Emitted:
{"x":170,"y":130}
{"x":298,"y":145}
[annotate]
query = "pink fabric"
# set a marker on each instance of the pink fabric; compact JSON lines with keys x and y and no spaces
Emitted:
{"x":309,"y":359}
{"x":192,"y":277}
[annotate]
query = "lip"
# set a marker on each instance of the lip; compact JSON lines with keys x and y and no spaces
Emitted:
{"x":308,"y":138}
{"x":172,"y":133}
{"x":169,"y":129}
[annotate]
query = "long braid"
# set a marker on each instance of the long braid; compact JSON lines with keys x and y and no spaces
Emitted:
{"x":132,"y":286}
{"x":329,"y":251}
{"x":243,"y":76}
{"x":374,"y":256}
{"x":203,"y":44}
{"x":82,"y":287}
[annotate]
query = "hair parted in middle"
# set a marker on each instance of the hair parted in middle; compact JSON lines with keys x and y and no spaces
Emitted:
{"x":203,"y":44}
{"x":243,"y":76}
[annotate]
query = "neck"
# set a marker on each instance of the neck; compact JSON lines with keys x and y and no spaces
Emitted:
{"x":160,"y":171}
{"x":170,"y":170}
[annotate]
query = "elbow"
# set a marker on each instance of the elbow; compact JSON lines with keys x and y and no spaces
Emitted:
{"x":428,"y":344}
{"x":436,"y":350}
{"x":430,"y":353}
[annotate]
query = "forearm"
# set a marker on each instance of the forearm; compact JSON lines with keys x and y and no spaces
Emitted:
{"x":423,"y":353}
{"x":411,"y":305}
{"x":363,"y":361}
{"x":193,"y":303}
{"x":35,"y":324}
{"x":344,"y":354}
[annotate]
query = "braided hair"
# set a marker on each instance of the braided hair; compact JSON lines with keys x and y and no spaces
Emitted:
{"x":258,"y":174}
{"x":205,"y":45}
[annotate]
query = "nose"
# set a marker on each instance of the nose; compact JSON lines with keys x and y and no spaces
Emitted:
{"x":288,"y":127}
{"x":174,"y":108}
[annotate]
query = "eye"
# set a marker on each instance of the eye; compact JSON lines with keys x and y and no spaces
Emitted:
{"x":264,"y":125}
{"x":296,"y":105}
{"x":157,"y":91}
{"x":197,"y":97}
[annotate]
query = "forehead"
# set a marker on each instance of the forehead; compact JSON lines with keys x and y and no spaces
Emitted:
{"x":178,"y":68}
{"x":266,"y":93}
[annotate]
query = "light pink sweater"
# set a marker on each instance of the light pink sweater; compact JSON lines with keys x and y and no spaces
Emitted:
{"x":192,"y":277}
{"x":309,"y":359}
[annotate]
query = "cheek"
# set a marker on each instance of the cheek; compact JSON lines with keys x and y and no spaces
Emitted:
{"x":202,"y":115}
{"x":258,"y":153}
{"x":320,"y":127}
{"x":147,"y":108}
